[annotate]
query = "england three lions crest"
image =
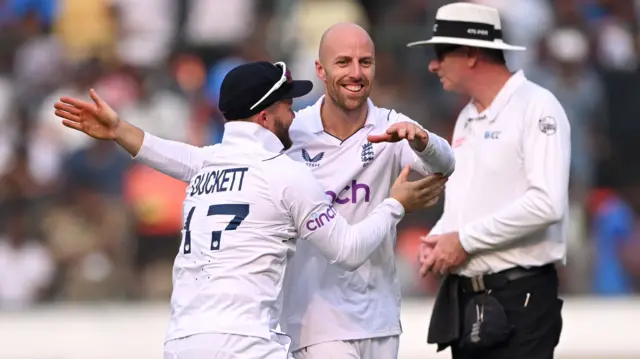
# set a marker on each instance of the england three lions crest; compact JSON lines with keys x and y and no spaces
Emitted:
{"x":367,"y":154}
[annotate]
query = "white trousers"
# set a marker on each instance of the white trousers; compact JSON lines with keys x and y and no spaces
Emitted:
{"x":376,"y":348}
{"x":227,"y":346}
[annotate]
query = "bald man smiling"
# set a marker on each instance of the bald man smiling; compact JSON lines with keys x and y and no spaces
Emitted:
{"x":355,"y":150}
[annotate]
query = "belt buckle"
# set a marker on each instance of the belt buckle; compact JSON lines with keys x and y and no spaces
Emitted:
{"x":477,"y":283}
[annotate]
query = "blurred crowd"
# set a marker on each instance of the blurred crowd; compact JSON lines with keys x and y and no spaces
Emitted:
{"x":81,"y":221}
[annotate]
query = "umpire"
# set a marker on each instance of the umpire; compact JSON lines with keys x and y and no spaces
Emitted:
{"x":503,"y":229}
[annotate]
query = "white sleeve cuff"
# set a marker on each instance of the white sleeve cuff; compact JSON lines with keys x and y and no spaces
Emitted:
{"x":397,"y":207}
{"x":466,"y":241}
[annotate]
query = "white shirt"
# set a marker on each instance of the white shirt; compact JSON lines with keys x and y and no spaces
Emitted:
{"x":321,"y":301}
{"x":243,"y":211}
{"x":508,"y":197}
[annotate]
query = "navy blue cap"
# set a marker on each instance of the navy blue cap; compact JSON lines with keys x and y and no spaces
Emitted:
{"x":246,"y":84}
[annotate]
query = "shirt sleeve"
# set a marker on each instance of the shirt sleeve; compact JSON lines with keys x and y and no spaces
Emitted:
{"x":437,"y":157}
{"x":546,"y":152}
{"x":176,"y":159}
{"x":316,"y":220}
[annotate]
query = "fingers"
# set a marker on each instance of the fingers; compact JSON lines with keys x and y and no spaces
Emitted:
{"x":401,"y":182}
{"x":67,"y":116}
{"x":433,"y":184}
{"x":411,"y":132}
{"x":96,"y":99}
{"x":429,"y":180}
{"x":379,"y":138}
{"x":442,"y":266}
{"x":433,"y":191}
{"x":430,"y":241}
{"x":398,"y":130}
{"x":432,"y":202}
{"x":403,"y":177}
{"x":404,"y":174}
{"x":74,"y":125}
{"x":67,"y":108}
{"x":427,"y":264}
{"x":423,"y":252}
{"x":75,"y":102}
{"x":428,"y":186}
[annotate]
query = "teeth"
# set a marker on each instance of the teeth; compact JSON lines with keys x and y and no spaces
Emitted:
{"x":354,"y":88}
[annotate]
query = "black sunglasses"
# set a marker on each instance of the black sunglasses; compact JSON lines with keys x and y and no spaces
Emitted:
{"x":442,"y":50}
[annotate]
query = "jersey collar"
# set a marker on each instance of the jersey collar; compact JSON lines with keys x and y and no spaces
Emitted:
{"x":501,"y":100}
{"x":242,"y":133}
{"x":316,"y":122}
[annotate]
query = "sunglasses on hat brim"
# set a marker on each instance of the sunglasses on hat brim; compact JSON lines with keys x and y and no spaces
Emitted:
{"x":286,"y":78}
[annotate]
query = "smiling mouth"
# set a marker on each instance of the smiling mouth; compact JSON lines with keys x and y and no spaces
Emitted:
{"x":354,"y":88}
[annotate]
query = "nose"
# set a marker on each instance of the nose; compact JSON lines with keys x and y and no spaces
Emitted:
{"x":356,"y":70}
{"x":434,"y":65}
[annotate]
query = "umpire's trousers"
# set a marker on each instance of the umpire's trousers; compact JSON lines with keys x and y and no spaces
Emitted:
{"x":534,"y":312}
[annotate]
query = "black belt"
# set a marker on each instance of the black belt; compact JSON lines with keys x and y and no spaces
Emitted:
{"x":497,"y":280}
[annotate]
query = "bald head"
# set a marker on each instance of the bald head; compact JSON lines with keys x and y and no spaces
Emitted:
{"x":346,"y":64}
{"x":342,"y":37}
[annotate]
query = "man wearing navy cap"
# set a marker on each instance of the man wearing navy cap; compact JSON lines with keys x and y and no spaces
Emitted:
{"x":244,"y":210}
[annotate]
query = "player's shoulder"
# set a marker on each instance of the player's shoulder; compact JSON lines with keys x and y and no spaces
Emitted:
{"x":210,"y":148}
{"x":384,"y":117}
{"x":306,"y":125}
{"x":306,"y":118}
{"x":282,"y":166}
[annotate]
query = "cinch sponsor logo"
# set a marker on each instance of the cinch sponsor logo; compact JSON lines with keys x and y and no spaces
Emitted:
{"x":317,"y":221}
{"x":350,"y":193}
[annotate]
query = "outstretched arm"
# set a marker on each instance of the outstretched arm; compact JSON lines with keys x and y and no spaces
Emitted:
{"x":100,"y":121}
{"x":350,"y":245}
{"x":425,"y":151}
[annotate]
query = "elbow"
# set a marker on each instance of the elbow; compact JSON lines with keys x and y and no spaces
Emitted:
{"x":349,"y":264}
{"x":447,"y":159}
{"x":553,"y":209}
{"x":452,"y":166}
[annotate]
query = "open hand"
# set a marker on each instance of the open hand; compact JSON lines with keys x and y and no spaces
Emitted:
{"x":96,"y":119}
{"x":417,"y":137}
{"x":418,"y":194}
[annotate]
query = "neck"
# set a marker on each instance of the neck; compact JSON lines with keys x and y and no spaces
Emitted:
{"x":488,"y":84}
{"x":341,"y":123}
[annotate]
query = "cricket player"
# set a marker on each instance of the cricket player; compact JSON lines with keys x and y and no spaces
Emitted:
{"x":244,"y":210}
{"x":355,"y":150}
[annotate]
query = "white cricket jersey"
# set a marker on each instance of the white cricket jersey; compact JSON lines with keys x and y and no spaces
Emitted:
{"x":244,"y":211}
{"x":508,"y":197}
{"x":323,"y":302}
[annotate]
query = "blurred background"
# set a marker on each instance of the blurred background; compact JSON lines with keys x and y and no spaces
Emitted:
{"x":82,"y":223}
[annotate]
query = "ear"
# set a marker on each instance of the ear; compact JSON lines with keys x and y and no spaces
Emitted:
{"x":320,"y":71}
{"x":261,"y":119}
{"x":473,"y":57}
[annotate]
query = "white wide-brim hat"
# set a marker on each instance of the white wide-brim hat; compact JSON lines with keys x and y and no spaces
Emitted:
{"x":468,"y":25}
